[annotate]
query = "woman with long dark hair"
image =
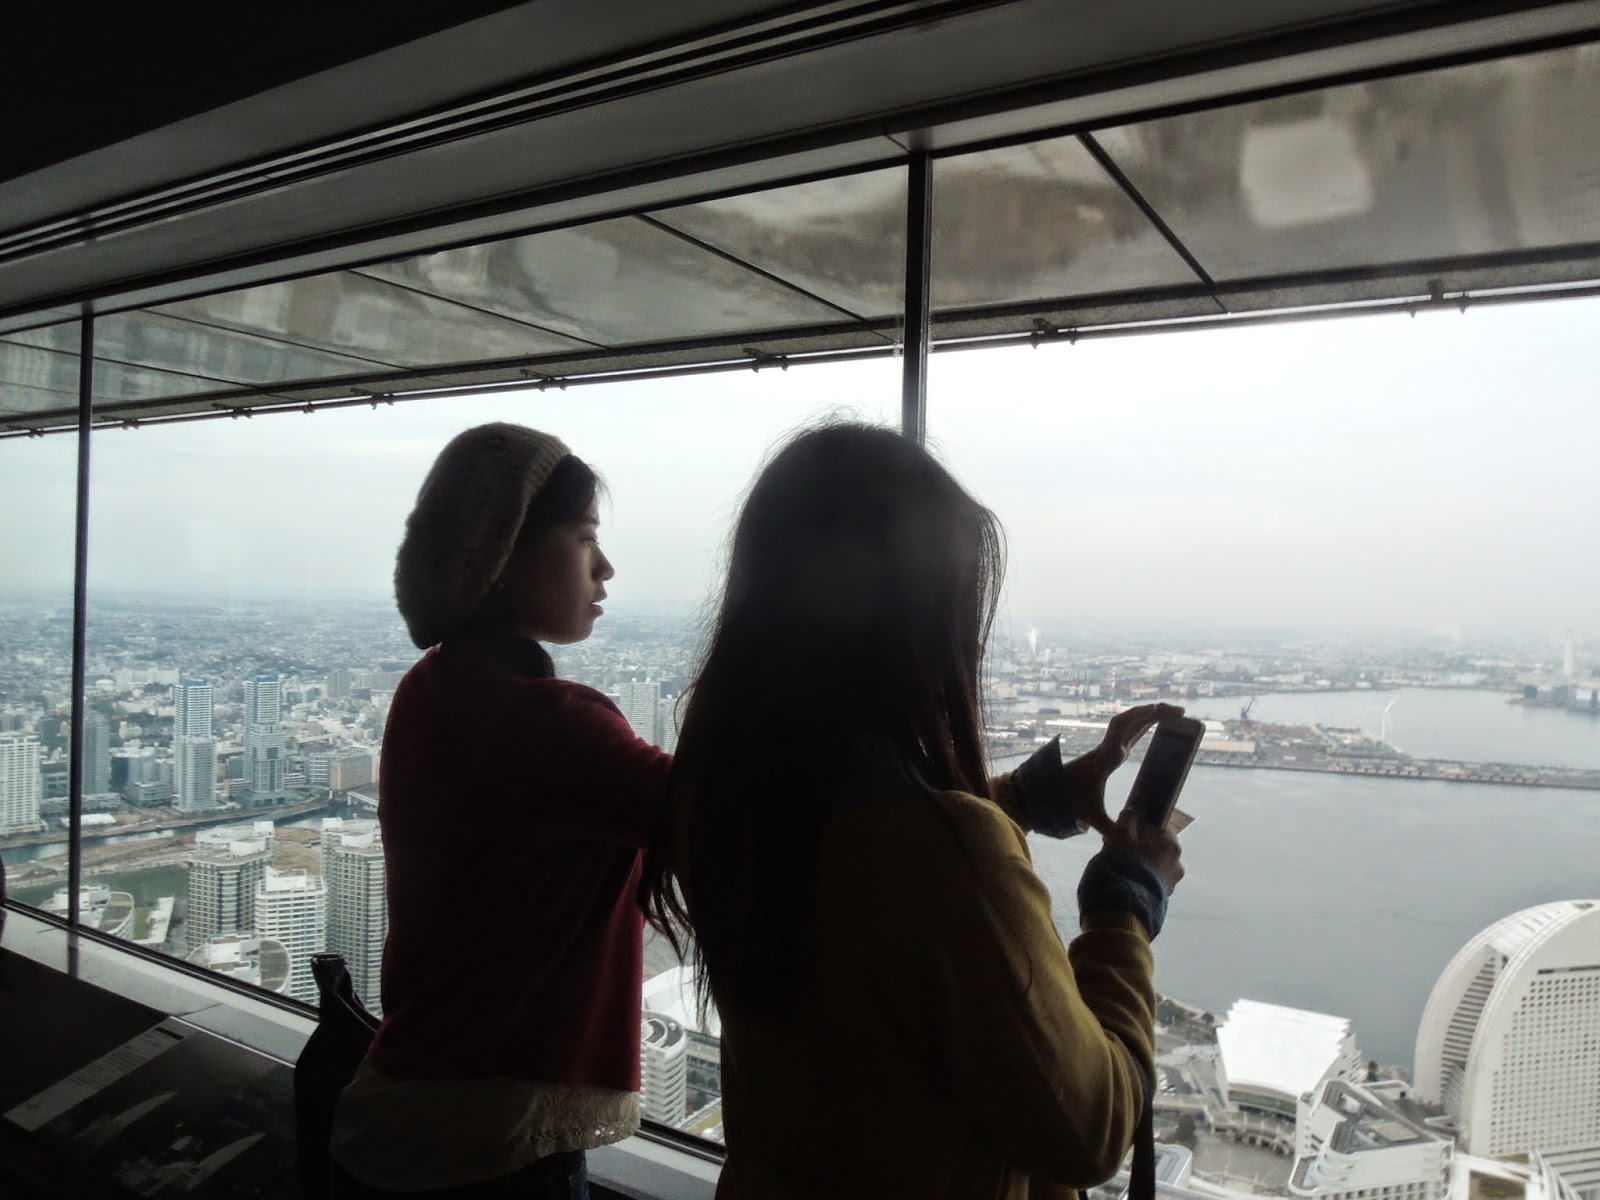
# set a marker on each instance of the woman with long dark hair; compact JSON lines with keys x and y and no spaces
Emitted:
{"x":515,"y":807}
{"x":899,"y":1014}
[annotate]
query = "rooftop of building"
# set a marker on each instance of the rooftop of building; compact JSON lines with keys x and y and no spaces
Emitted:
{"x":1282,"y":1050}
{"x":1533,"y":925}
{"x":672,"y":994}
{"x":1372,"y":1121}
{"x":103,"y":909}
{"x":260,"y":961}
{"x":298,"y":880}
{"x":661,"y":1031}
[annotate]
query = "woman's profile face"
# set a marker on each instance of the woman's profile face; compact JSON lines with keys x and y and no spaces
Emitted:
{"x":556,"y":581}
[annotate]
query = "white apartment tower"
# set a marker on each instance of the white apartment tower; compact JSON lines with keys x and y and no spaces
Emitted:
{"x":664,"y":1054}
{"x":96,"y":754}
{"x":264,"y":737}
{"x":667,"y":724}
{"x":194,"y":747}
{"x":1509,"y":1043}
{"x":226,"y":868}
{"x":291,"y":908}
{"x":20,"y":784}
{"x":358,"y":901}
{"x":641,"y":704}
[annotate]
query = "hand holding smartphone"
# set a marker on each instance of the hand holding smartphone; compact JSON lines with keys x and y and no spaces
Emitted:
{"x":1166,"y":764}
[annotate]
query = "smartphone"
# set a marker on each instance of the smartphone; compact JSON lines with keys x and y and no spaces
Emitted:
{"x":1167,"y":759}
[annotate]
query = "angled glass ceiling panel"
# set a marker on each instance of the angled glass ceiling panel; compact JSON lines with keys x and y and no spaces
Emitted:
{"x":345,"y":312}
{"x":841,"y":239}
{"x":36,"y":379}
{"x":33,"y":379}
{"x":163,"y":341}
{"x":1489,"y":157}
{"x":615,"y":282}
{"x":1041,"y":221}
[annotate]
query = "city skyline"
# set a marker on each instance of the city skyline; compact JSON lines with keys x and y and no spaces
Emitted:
{"x":1364,"y":473}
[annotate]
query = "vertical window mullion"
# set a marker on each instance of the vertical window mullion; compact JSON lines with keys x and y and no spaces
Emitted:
{"x":919,"y":251}
{"x":80,"y":598}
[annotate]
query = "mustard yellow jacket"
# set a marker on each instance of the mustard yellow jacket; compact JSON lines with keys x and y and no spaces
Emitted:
{"x":952,"y":1046}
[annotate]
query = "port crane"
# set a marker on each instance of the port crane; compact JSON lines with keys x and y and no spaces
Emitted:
{"x":1244,"y":713}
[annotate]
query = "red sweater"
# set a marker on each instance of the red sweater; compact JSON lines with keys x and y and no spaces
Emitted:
{"x":515,"y":807}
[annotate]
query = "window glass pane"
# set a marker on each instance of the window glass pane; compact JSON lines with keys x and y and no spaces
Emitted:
{"x":244,"y":644}
{"x":1358,"y":550}
{"x":842,"y":239}
{"x":1495,"y":156}
{"x":611,"y":283}
{"x":38,"y":490}
{"x":355,"y":315}
{"x":1040,"y":222}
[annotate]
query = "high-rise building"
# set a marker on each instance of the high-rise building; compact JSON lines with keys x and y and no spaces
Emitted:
{"x":96,"y":753}
{"x":226,"y":868}
{"x":1355,"y":1141}
{"x":1509,"y":1043}
{"x":641,"y":704}
{"x":358,"y":900}
{"x":672,"y":993}
{"x":667,"y":724}
{"x":664,"y":1055}
{"x":20,"y":785}
{"x":291,"y":908}
{"x":264,"y":737}
{"x":337,"y":684}
{"x":194,"y":747}
{"x":349,"y":769}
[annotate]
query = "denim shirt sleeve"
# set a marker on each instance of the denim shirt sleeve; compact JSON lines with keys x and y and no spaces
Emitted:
{"x":1117,"y":880}
{"x":1039,"y":786}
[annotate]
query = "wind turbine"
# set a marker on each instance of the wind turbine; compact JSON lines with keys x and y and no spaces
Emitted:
{"x":1383,"y":723}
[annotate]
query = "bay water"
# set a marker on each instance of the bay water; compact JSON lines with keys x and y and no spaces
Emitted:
{"x":1350,"y":895}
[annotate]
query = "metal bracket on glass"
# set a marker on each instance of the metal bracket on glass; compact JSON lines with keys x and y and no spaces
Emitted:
{"x":761,"y":358}
{"x":543,"y":381}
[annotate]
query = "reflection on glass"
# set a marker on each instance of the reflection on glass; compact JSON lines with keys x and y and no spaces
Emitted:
{"x":356,"y":316}
{"x":842,"y":239}
{"x":1486,"y":157}
{"x":221,"y":356}
{"x":34,"y":379}
{"x":1040,"y":221}
{"x":616,"y":282}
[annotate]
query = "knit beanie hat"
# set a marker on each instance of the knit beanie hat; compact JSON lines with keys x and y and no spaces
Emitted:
{"x":460,"y":534}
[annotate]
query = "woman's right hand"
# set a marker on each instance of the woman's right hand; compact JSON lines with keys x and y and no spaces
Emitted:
{"x":1158,"y":846}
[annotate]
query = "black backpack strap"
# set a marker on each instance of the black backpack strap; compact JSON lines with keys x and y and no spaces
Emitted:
{"x":1142,"y":1172}
{"x":326,"y":1065}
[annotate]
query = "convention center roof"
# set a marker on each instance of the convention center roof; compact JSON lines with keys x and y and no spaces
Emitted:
{"x":1278,"y":1050}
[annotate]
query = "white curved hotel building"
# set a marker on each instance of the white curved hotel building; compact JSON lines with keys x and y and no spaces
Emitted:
{"x":1510,"y":1040}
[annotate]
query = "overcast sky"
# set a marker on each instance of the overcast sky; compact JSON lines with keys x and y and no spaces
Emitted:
{"x":1383,"y":473}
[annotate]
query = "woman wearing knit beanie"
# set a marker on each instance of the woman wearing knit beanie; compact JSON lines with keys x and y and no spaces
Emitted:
{"x":514,"y":807}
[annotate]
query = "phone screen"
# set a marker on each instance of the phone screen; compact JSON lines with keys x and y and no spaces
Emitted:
{"x":1165,"y":766}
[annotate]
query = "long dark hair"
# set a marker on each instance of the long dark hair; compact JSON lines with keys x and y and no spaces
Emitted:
{"x":861,"y":587}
